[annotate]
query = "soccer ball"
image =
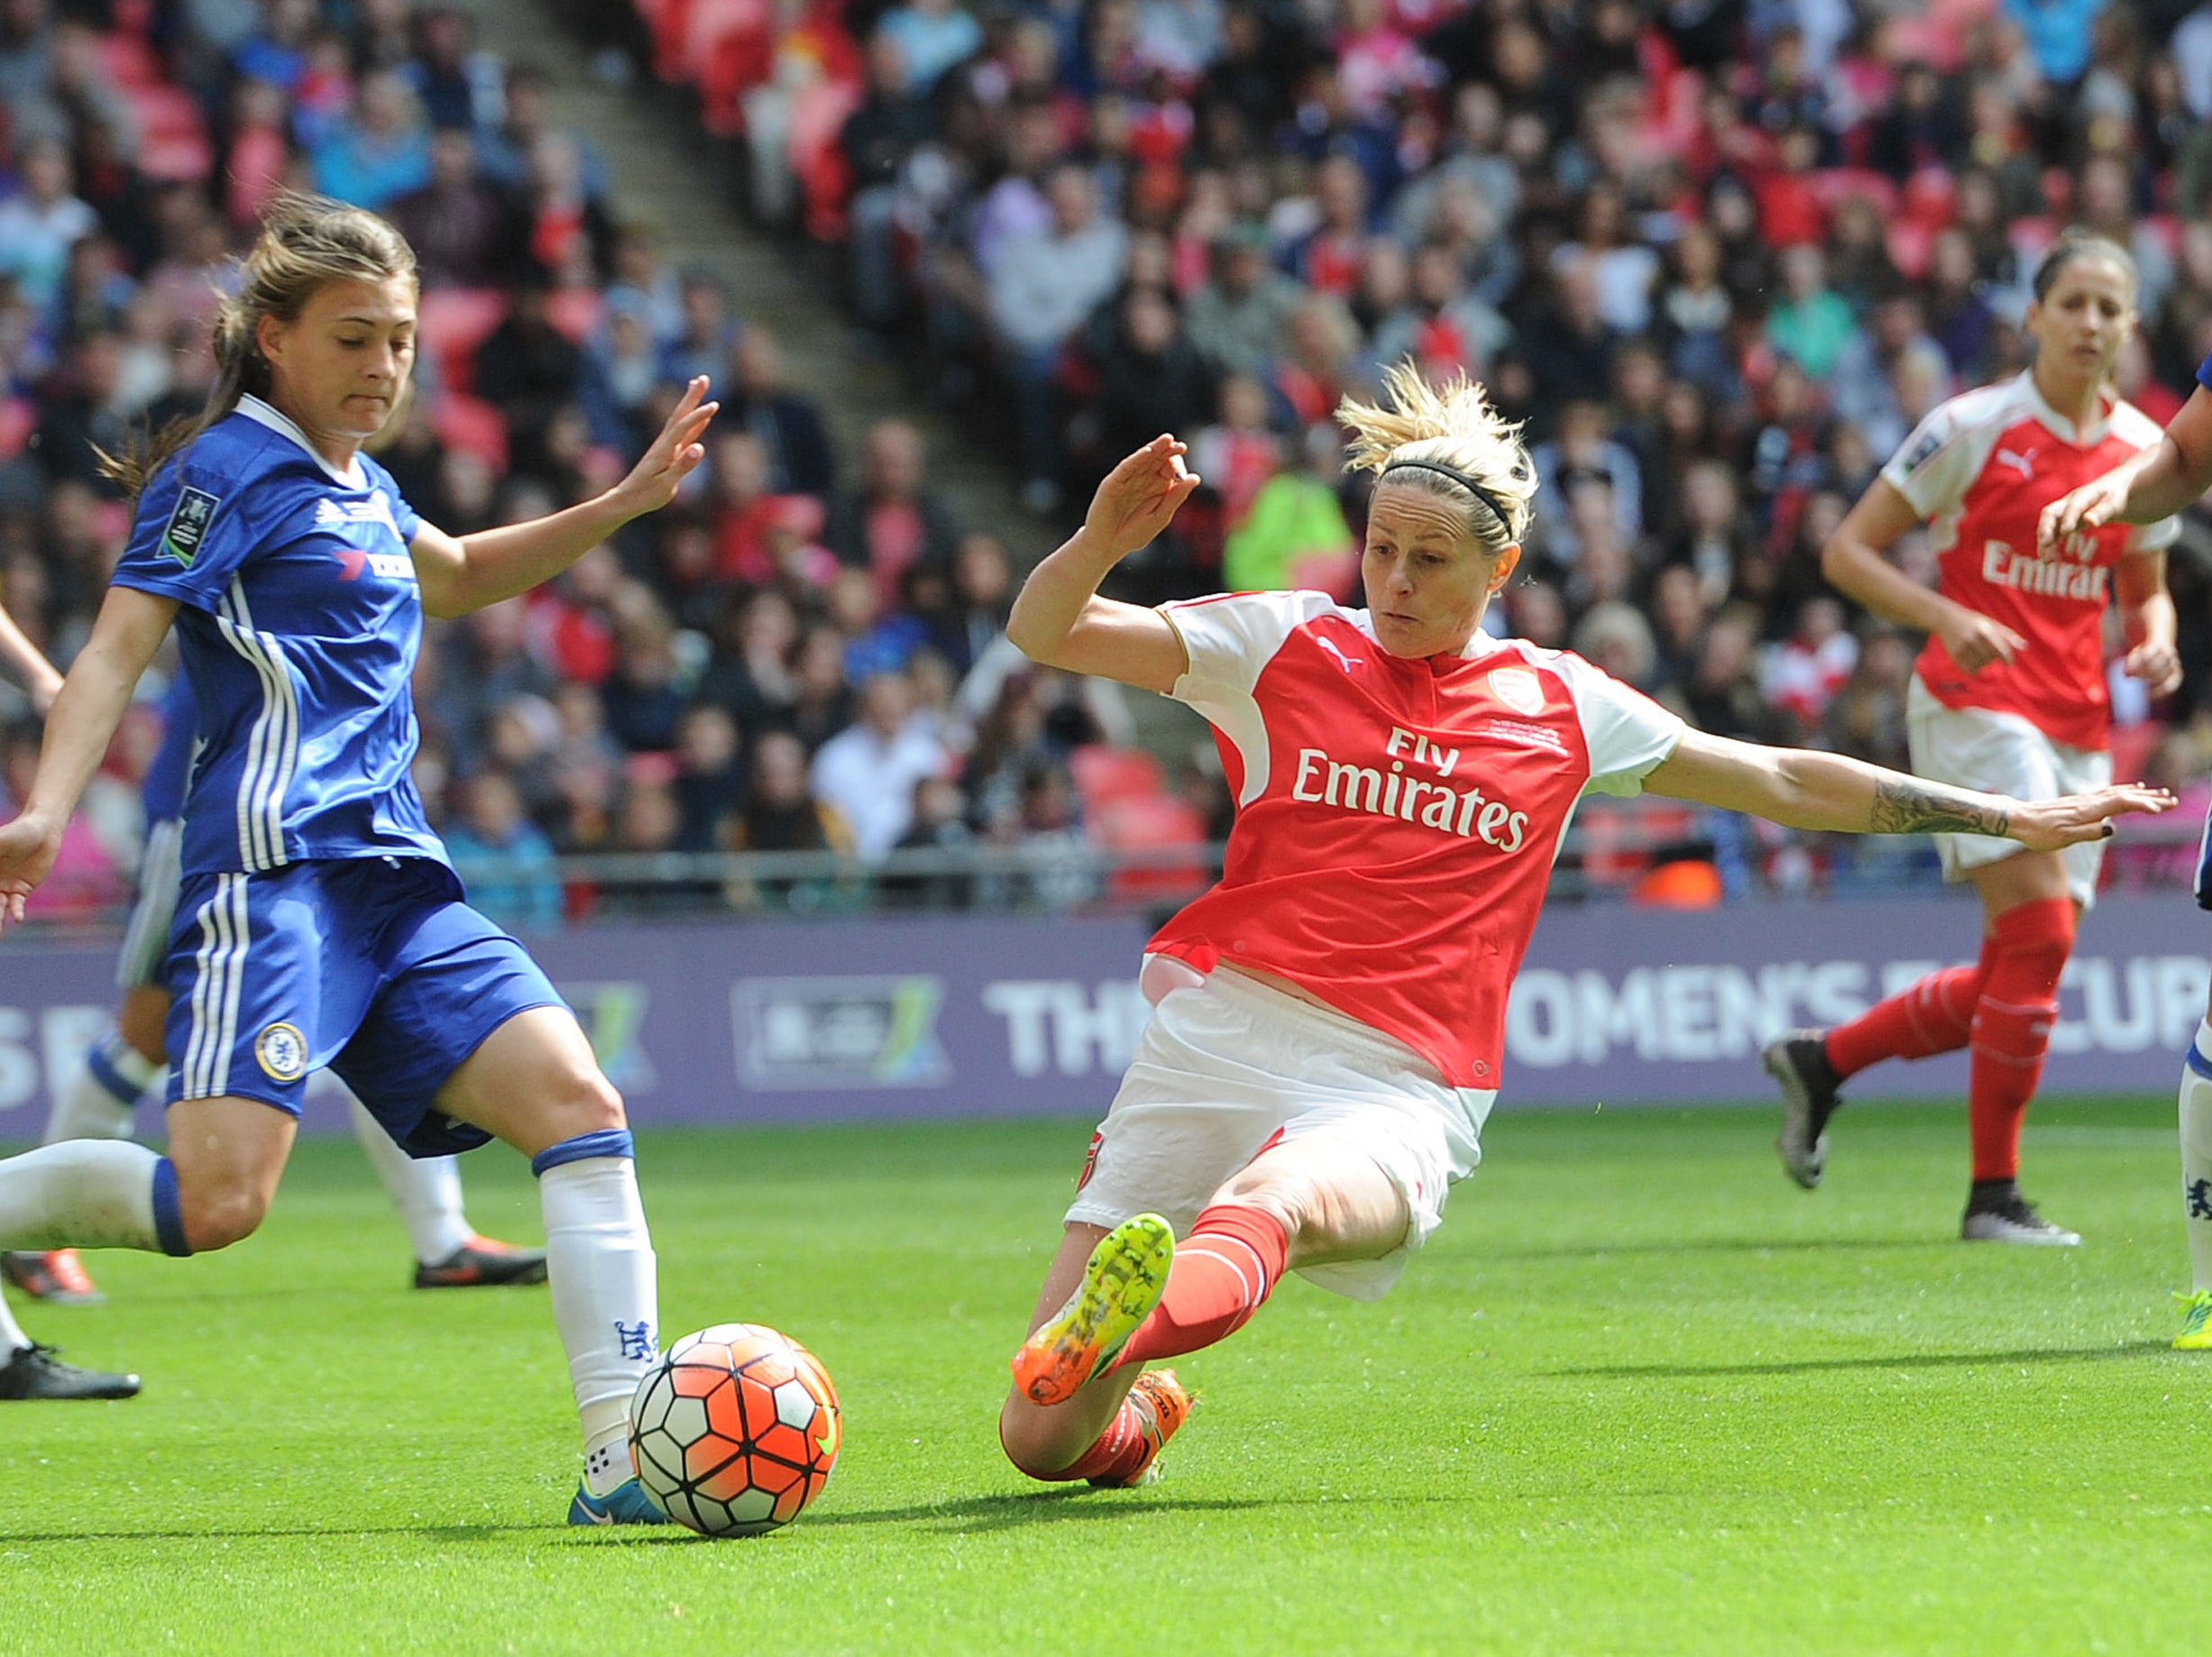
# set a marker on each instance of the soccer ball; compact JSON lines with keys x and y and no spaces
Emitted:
{"x":735,"y":1430}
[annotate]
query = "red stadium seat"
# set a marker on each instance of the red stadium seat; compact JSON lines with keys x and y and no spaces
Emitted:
{"x":1841,"y":184}
{"x":1147,"y":823}
{"x":129,"y":60}
{"x":172,"y":139}
{"x":1931,"y":197}
{"x":1912,"y":248}
{"x":576,"y":312}
{"x":471,"y":423}
{"x":1105,"y":773}
{"x":450,"y":324}
{"x":19,"y":417}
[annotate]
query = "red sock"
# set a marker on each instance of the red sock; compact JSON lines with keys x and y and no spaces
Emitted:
{"x":2012,"y":1027}
{"x":1224,"y":1268}
{"x":1118,"y":1454}
{"x":1931,"y":1015}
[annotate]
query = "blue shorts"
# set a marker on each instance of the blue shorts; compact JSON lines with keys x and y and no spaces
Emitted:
{"x":371,"y":967}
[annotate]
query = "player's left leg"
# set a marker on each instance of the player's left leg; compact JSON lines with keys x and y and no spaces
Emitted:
{"x":535,"y":1084}
{"x":2031,"y":919}
{"x":1309,"y":1201}
{"x":101,"y":1103}
{"x":426,"y":1190}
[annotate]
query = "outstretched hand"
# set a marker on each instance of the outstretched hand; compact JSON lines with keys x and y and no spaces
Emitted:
{"x":1139,"y":497}
{"x":653,"y":481}
{"x":27,"y":852}
{"x":2091,"y":506}
{"x":2053,"y":825}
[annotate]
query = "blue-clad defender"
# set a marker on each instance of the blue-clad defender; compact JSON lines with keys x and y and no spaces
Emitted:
{"x":319,"y":922}
{"x":2167,"y":478}
{"x":128,"y":1060}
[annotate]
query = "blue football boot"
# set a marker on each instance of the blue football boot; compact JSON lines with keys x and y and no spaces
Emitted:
{"x":626,"y":1503}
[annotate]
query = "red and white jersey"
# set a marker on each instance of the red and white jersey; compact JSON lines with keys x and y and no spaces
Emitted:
{"x":1981,"y":469}
{"x":1397,"y":818}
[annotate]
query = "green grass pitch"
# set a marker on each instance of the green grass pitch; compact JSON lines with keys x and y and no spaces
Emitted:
{"x":1639,"y":1395}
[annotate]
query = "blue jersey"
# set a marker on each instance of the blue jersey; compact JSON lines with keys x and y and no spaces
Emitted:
{"x":298,"y":628}
{"x":161,"y":794}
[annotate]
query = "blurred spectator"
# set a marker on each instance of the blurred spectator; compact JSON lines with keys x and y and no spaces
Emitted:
{"x":938,"y":823}
{"x":868,"y":772}
{"x":38,"y":222}
{"x":1237,"y":318}
{"x":788,"y":425}
{"x":464,"y":232}
{"x":893,"y":517}
{"x":526,"y":365}
{"x":931,"y":36}
{"x":380,"y":150}
{"x":1046,"y":283}
{"x":710,"y":781}
{"x":781,"y":813}
{"x":507,"y":864}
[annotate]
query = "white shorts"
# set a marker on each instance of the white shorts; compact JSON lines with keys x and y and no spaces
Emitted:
{"x":145,"y":945}
{"x":2002,"y":753}
{"x":1229,"y":1064}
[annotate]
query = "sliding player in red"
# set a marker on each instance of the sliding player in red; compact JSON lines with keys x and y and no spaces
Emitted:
{"x":1329,"y":1020}
{"x":2008,"y":696}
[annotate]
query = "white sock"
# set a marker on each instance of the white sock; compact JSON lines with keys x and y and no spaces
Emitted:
{"x":428,"y":1192}
{"x":10,"y":1334}
{"x":101,"y":1100}
{"x":90,"y":1194}
{"x":2197,"y":1156}
{"x":599,"y":1260}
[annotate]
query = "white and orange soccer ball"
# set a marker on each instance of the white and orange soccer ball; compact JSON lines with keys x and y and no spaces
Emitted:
{"x":735,"y":1430}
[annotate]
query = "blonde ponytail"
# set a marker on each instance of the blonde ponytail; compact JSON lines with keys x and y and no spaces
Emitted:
{"x":1448,"y":439}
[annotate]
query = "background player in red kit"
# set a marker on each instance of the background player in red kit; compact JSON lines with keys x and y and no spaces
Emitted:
{"x":2009,"y":697}
{"x":1329,"y":1020}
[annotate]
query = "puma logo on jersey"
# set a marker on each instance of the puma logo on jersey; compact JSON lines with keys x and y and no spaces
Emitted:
{"x":1372,"y":791}
{"x":1330,"y":645}
{"x":2024,"y":462}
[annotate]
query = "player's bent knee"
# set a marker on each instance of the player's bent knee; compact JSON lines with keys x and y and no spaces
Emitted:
{"x":1034,"y":1442}
{"x":588,"y":1102}
{"x":217,"y":1219}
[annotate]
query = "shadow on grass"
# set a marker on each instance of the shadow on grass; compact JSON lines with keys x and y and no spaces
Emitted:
{"x":977,"y":1514}
{"x":972,"y":1514}
{"x":277,"y":1532}
{"x":1901,"y":1361}
{"x":1718,"y":1245}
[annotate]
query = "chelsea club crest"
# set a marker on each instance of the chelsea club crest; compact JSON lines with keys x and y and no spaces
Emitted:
{"x":282,"y":1052}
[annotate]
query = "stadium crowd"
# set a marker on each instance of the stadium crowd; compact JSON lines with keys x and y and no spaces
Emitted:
{"x":1719,"y":254}
{"x":805,"y":654}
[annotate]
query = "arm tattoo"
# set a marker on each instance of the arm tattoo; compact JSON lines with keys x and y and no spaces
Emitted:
{"x":1916,"y":808}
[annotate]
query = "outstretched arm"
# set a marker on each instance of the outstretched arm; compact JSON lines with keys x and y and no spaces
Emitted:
{"x":41,"y":679}
{"x":464,"y":573}
{"x":1856,"y":562}
{"x":1059,"y":618}
{"x":1801,"y":789}
{"x":84,"y":715}
{"x":2159,"y":482}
